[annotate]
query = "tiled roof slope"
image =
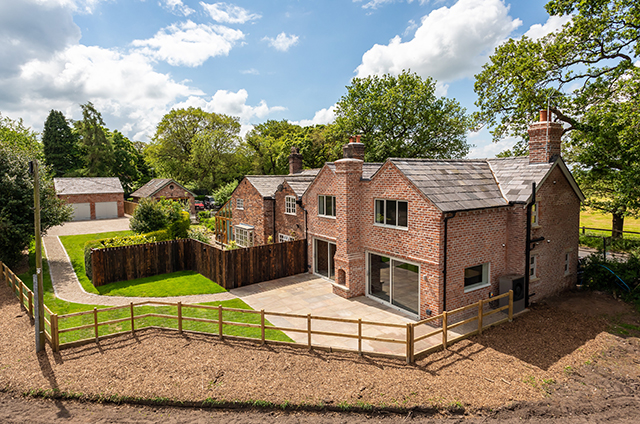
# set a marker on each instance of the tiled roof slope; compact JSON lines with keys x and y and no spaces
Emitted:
{"x":368,"y":168}
{"x":151,"y":187}
{"x":265,"y":184}
{"x":454,"y":185}
{"x":299,"y":183}
{"x":515,"y":175}
{"x":86,"y":185}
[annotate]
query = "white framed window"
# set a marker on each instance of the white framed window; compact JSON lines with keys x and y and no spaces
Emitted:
{"x":534,"y":215}
{"x":243,"y":235}
{"x":533,"y":267}
{"x":283,"y":238}
{"x":567,"y":261}
{"x":290,"y":205}
{"x":476,"y":277}
{"x":392,"y":213}
{"x":239,"y":203}
{"x":327,"y":206}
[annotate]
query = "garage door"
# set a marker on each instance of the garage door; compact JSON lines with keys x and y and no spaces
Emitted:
{"x":106,"y":210}
{"x":81,"y":211}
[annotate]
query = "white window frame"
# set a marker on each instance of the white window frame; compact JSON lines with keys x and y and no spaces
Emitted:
{"x":486,"y":278}
{"x":282,"y":238}
{"x":384,"y":216}
{"x":290,"y":205}
{"x":322,"y":210}
{"x":240,"y":204}
{"x":243,"y":236}
{"x":535,"y":220}
{"x":533,"y":267}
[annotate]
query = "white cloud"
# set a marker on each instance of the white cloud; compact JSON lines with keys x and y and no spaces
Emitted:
{"x":374,"y":4}
{"x":486,"y":148}
{"x":251,"y":71}
{"x":230,"y":103}
{"x":229,"y":13}
{"x":450,"y":43}
{"x":190,"y":44}
{"x":282,"y":42}
{"x":554,"y":23}
{"x":323,"y":116}
{"x":177,"y":7}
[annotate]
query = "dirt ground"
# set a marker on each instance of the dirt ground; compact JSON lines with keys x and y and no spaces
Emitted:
{"x":575,"y":358}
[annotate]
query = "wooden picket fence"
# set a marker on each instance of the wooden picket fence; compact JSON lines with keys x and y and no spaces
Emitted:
{"x":129,"y":207}
{"x":410,"y":340}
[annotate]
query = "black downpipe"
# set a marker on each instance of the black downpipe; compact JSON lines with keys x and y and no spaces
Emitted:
{"x":444,"y":271}
{"x":275,"y":240}
{"x":527,"y":248}
{"x":306,"y":235}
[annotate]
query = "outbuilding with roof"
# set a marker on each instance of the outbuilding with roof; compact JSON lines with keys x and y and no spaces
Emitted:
{"x":92,"y":197}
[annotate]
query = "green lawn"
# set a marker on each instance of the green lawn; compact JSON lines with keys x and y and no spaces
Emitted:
{"x":74,"y":245}
{"x":594,"y":219}
{"x":180,"y":283}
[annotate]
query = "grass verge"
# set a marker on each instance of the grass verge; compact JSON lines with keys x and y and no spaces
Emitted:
{"x":181,"y":283}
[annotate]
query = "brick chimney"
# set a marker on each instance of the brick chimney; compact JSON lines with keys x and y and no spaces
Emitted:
{"x":354,"y":149}
{"x":544,"y":140}
{"x":295,"y":161}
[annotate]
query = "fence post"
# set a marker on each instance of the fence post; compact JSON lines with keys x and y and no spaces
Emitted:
{"x":30,"y":295}
{"x":55,"y":341}
{"x":480,"y":315}
{"x":95,"y":322}
{"x":220,"y":321}
{"x":360,"y":336}
{"x":12,"y":277}
{"x":409,"y":351}
{"x":583,"y":229}
{"x":510,"y":305}
{"x":133,"y":328}
{"x":262,"y":325}
{"x":180,"y":317}
{"x":309,"y":331}
{"x":21,"y":293}
{"x":444,"y":330}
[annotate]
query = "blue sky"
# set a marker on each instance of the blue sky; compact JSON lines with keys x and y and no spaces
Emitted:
{"x":258,"y":60}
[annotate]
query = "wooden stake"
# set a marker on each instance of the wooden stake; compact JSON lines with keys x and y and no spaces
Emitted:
{"x":180,"y":317}
{"x":480,"y":315}
{"x":360,"y":336}
{"x":262,"y":325}
{"x":133,"y":328}
{"x":95,"y":322}
{"x":444,"y":330}
{"x":31,"y":304}
{"x":220,"y":321}
{"x":510,"y":305}
{"x":55,"y":341}
{"x":309,"y":331}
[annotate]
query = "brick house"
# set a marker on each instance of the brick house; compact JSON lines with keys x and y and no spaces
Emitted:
{"x":167,"y":188}
{"x":425,"y":236}
{"x":92,"y":198}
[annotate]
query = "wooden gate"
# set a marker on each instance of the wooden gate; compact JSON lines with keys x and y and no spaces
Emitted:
{"x":223,"y":230}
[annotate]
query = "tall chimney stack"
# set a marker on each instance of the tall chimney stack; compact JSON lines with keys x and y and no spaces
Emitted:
{"x":295,"y":161}
{"x":354,"y":149}
{"x":544,"y":139}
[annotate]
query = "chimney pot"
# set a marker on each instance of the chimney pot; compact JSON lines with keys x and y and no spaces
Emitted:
{"x":358,"y":139}
{"x":543,"y":116}
{"x":351,"y":139}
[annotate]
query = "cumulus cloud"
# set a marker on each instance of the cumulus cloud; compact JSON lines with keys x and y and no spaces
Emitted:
{"x":177,"y":7}
{"x":229,"y":13}
{"x":323,"y":116}
{"x":554,"y":23}
{"x":450,"y":43}
{"x":282,"y":42}
{"x":251,"y":71}
{"x":485,"y":148}
{"x":374,"y":4}
{"x":230,"y":103}
{"x":189,"y":44}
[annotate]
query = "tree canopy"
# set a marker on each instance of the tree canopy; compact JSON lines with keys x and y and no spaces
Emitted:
{"x":402,"y":117}
{"x":96,"y":148}
{"x":60,"y":145}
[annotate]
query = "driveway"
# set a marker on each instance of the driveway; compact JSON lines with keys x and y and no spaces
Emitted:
{"x":89,"y":227}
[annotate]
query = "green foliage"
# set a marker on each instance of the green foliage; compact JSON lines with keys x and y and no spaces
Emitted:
{"x":96,"y":147}
{"x":200,"y":233}
{"x":402,"y":117}
{"x":623,"y":244}
{"x":596,"y":277}
{"x":17,"y":230}
{"x":223,"y":194}
{"x":60,"y":145}
{"x":126,"y":160}
{"x":151,"y":215}
{"x":160,"y":235}
{"x":179,"y":228}
{"x":117,"y":241}
{"x":233,"y":245}
{"x":270,"y":144}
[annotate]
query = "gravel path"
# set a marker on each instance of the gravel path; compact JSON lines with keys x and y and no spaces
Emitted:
{"x":67,"y":287}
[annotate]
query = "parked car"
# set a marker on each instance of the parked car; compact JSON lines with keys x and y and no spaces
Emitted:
{"x":209,"y":202}
{"x":199,"y":205}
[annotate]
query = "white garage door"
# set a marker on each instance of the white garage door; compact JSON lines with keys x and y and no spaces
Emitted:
{"x":81,"y":211}
{"x":106,"y":210}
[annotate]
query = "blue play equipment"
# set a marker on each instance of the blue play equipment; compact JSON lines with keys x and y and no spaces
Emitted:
{"x":623,"y":285}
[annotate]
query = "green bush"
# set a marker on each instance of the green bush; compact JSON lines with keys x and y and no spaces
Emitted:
{"x":624,"y":244}
{"x":596,"y":277}
{"x":113,"y":242}
{"x":178,"y":229}
{"x":160,"y":235}
{"x":151,"y":215}
{"x":199,"y":233}
{"x":223,"y":194}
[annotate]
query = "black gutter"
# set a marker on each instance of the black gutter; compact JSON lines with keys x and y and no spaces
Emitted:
{"x":527,"y":249}
{"x":444,"y":271}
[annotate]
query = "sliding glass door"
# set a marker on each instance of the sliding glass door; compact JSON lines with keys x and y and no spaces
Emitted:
{"x":395,"y":282}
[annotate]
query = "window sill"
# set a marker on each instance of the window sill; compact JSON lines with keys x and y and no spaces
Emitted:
{"x":476,"y":287}
{"x":340,"y":286}
{"x":536,"y":226}
{"x":393,"y":227}
{"x":240,"y":209}
{"x":326,"y":216}
{"x":533,"y":280}
{"x":291,"y":213}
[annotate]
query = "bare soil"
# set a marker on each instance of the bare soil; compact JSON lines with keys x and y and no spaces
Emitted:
{"x":575,"y":358}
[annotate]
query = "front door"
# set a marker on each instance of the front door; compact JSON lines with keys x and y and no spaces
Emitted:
{"x":394,"y":282}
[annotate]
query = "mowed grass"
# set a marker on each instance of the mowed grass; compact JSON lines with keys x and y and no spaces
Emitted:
{"x":180,"y":283}
{"x":74,"y":245}
{"x":594,"y":219}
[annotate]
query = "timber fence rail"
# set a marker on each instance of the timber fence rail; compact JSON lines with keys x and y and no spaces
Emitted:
{"x":229,"y":268}
{"x":129,"y":207}
{"x":607,"y":230}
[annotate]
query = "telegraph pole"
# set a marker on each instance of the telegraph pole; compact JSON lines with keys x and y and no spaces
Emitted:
{"x":39,"y":318}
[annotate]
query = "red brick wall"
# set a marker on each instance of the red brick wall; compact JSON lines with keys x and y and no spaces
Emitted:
{"x":559,"y":221}
{"x":285,"y":223}
{"x":96,"y":198}
{"x":177,"y":193}
{"x":257,"y":211}
{"x":544,"y":141}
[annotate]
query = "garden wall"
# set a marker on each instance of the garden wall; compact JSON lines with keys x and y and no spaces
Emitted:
{"x":229,"y":268}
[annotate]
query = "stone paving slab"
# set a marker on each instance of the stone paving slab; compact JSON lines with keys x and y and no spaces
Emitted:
{"x":90,"y":227}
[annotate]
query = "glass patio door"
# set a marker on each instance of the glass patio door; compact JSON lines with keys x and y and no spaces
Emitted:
{"x":323,"y":252}
{"x":394,"y":282}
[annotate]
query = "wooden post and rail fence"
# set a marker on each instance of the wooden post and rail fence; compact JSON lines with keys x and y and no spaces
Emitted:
{"x":442,"y":334}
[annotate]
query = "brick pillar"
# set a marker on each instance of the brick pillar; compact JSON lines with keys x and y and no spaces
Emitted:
{"x":544,"y":140}
{"x":295,"y":161}
{"x":349,"y":256}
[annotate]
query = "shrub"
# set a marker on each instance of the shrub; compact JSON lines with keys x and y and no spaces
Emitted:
{"x":178,"y":229}
{"x":223,"y":194}
{"x":202,"y":215}
{"x":199,"y":233}
{"x":160,"y":235}
{"x":151,"y":215}
{"x":597,"y":277}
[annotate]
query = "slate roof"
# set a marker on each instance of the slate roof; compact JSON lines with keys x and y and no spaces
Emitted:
{"x":454,"y":185}
{"x":265,"y":184}
{"x":88,"y":185}
{"x":515,"y":175}
{"x":299,"y":183}
{"x":368,"y":168}
{"x":154,"y":186}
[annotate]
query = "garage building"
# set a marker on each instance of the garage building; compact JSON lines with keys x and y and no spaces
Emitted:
{"x":92,"y":198}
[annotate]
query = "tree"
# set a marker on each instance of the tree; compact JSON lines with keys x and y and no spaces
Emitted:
{"x":125,"y":163}
{"x":223,"y":194}
{"x":60,"y":145}
{"x":96,"y":147}
{"x":151,"y":215}
{"x":270,"y":144}
{"x":579,"y":73}
{"x":402,"y":117}
{"x":194,"y":146}
{"x":16,"y":185}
